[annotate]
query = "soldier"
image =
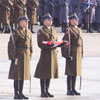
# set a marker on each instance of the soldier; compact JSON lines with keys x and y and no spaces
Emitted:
{"x":56,"y":11}
{"x":20,"y":53}
{"x":11,"y":13}
{"x":47,"y":66}
{"x":91,"y":14}
{"x":49,"y":6}
{"x":77,"y":7}
{"x":98,"y":15}
{"x":73,"y":54}
{"x":5,"y":16}
{"x":32,"y":12}
{"x":19,"y":10}
{"x":64,"y":13}
{"x":41,"y":10}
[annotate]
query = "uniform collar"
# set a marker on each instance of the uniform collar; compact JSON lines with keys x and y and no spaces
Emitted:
{"x":23,"y":29}
{"x":47,"y":28}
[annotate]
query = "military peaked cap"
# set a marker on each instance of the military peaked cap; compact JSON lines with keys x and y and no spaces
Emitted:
{"x":23,"y":18}
{"x":73,"y":16}
{"x":47,"y":16}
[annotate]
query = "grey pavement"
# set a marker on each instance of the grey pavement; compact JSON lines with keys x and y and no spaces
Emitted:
{"x":90,"y":77}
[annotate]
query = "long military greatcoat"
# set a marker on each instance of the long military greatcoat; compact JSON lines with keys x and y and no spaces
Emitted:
{"x":41,"y":8}
{"x":32,"y":10}
{"x":48,"y":7}
{"x":98,"y":11}
{"x":75,"y":49}
{"x":77,"y":7}
{"x":5,"y":12}
{"x":11,"y":10}
{"x":47,"y":66}
{"x":64,"y":11}
{"x":56,"y":9}
{"x":23,"y":52}
{"x":19,"y":9}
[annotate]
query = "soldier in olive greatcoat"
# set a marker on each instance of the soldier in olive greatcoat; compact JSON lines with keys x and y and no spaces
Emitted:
{"x":11,"y":14}
{"x":20,"y":53}
{"x":5,"y":16}
{"x":73,"y":54}
{"x":47,"y":67}
{"x":32,"y":12}
{"x":19,"y":10}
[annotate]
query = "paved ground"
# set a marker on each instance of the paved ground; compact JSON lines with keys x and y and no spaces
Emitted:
{"x":90,"y":78}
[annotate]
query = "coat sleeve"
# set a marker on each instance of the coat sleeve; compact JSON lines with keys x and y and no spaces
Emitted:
{"x":12,"y":46}
{"x":64,"y":49}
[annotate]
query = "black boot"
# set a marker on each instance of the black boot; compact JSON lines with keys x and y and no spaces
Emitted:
{"x":6,"y":29}
{"x":40,"y":20}
{"x":98,"y":27}
{"x":64,"y":26}
{"x":0,"y":27}
{"x":32,"y":29}
{"x":47,"y":87}
{"x":12,"y":27}
{"x":73,"y":85}
{"x":42,"y":85}
{"x":69,"y":85}
{"x":17,"y":96}
{"x":21,"y":83}
{"x":90,"y":28}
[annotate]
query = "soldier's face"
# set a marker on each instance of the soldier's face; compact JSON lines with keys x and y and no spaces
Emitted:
{"x":23,"y":24}
{"x":48,"y":22}
{"x":74,"y":22}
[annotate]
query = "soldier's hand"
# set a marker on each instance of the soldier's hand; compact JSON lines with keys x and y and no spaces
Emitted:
{"x":52,"y":44}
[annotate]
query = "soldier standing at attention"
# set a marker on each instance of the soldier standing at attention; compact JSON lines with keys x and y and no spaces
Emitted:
{"x":5,"y":16}
{"x":20,"y":53}
{"x":98,"y":16}
{"x":77,"y":7}
{"x":73,"y":54}
{"x":64,"y":13}
{"x":55,"y":13}
{"x":49,"y":7}
{"x":41,"y":10}
{"x":11,"y":13}
{"x":19,"y":10}
{"x":32,"y":12}
{"x":91,"y":14}
{"x":47,"y":66}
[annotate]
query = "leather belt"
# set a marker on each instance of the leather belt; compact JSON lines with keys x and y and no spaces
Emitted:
{"x":78,"y":45}
{"x":20,"y":47}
